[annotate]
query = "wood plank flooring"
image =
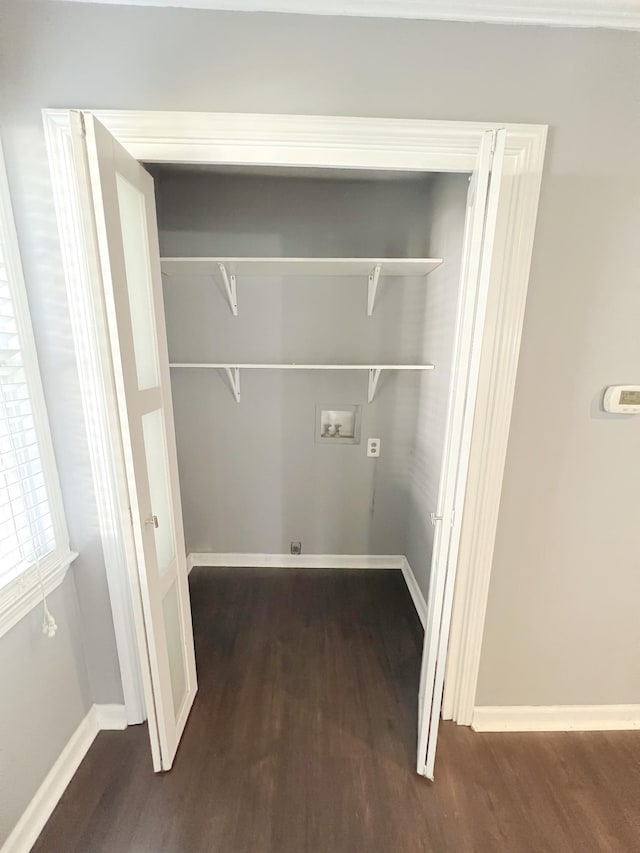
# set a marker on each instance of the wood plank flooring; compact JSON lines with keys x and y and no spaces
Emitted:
{"x":302,"y":740}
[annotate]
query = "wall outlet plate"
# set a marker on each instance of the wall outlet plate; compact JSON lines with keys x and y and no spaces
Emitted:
{"x":296,"y":547}
{"x":373,"y":447}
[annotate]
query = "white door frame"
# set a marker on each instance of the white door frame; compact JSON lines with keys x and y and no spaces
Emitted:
{"x":315,"y":141}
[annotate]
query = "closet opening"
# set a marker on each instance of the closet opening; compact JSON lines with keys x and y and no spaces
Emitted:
{"x":286,"y":363}
{"x":311,"y":323}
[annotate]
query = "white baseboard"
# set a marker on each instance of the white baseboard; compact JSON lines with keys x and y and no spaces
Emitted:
{"x":318,"y":561}
{"x":46,"y":798}
{"x":295,"y":561}
{"x":52,"y":788}
{"x":556,"y":718}
{"x":110,"y":717}
{"x":414,"y":590}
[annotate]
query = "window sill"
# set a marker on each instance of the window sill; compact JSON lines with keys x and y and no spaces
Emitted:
{"x":24,"y":593}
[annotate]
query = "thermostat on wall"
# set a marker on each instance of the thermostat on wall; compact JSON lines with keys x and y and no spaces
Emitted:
{"x":622,"y":399}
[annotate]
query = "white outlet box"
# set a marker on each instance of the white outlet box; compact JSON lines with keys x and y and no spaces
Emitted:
{"x":373,"y":447}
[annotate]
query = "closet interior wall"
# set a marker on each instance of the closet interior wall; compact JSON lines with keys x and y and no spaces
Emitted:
{"x":253,"y":478}
{"x":438,"y":316}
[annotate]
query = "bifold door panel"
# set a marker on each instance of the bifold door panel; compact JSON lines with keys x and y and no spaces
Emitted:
{"x":119,"y":213}
{"x":482,"y":205}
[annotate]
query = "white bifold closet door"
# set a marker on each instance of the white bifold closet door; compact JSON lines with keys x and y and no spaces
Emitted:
{"x":480,"y":227}
{"x":120,"y":219}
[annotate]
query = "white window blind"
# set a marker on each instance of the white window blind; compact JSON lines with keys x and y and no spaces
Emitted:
{"x":34,"y":543}
{"x":26,"y":526}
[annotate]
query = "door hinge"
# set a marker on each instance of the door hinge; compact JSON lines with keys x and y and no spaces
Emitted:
{"x":131,"y":516}
{"x":471,"y":193}
{"x":435,"y":518}
{"x":84,"y":133}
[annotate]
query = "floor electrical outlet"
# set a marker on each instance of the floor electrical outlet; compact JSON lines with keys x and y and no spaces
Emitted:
{"x":296,"y":547}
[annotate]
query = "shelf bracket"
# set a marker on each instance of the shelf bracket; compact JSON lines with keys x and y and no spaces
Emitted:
{"x":374,"y":277}
{"x":233,"y":374}
{"x":230,"y":287}
{"x":374,"y":375}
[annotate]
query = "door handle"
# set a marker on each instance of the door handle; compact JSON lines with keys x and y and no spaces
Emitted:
{"x":152,"y":520}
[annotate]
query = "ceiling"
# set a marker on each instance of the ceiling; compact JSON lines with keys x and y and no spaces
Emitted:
{"x":613,"y":14}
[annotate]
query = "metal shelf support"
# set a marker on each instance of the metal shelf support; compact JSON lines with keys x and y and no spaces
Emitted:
{"x":374,"y":375}
{"x":374,"y":277}
{"x":233,"y":370}
{"x":230,"y":286}
{"x":233,"y":374}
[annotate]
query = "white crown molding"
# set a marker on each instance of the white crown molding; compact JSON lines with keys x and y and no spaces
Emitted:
{"x":556,"y":718}
{"x":612,"y":14}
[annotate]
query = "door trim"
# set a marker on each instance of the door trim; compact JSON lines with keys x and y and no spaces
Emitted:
{"x":318,"y":141}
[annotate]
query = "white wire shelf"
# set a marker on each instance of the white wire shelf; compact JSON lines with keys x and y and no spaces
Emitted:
{"x":229,"y":268}
{"x":232,"y":369}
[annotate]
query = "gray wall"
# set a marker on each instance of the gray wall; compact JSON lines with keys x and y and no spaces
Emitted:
{"x":252,"y":475}
{"x":45,"y":694}
{"x":49,"y":684}
{"x":437,"y":318}
{"x":562,"y":612}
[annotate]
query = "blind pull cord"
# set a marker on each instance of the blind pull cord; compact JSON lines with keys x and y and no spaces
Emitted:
{"x":49,"y":624}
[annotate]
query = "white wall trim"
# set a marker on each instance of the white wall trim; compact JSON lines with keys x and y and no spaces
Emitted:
{"x":46,"y":798}
{"x":93,"y":358}
{"x":291,"y":561}
{"x":26,"y":591}
{"x":23,"y":593}
{"x":347,"y":142}
{"x":614,"y":14}
{"x":415,"y":592}
{"x":111,"y":717}
{"x":556,"y":718}
{"x":492,"y":419}
{"x":52,"y":788}
{"x":297,"y":140}
{"x":318,"y":561}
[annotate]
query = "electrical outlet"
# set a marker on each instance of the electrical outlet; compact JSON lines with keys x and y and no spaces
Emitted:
{"x":373,"y":447}
{"x":296,"y":547}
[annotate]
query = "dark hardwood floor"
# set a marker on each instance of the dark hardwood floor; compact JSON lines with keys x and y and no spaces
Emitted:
{"x":302,"y":740}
